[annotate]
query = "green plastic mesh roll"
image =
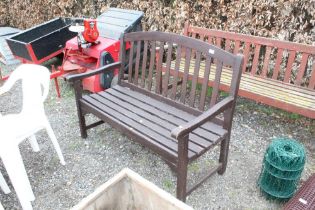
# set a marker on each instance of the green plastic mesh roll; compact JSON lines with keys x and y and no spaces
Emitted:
{"x":282,"y":167}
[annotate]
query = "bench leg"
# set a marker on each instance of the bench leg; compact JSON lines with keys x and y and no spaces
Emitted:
{"x":82,"y":124}
{"x":224,"y":150}
{"x":78,"y":95}
{"x":182,"y":169}
{"x":181,"y":182}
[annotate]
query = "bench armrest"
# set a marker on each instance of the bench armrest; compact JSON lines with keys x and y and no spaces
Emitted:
{"x":109,"y":67}
{"x":220,"y":107}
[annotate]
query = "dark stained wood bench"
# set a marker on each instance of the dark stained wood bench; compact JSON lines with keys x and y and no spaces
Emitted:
{"x":276,"y":73}
{"x":162,"y":114}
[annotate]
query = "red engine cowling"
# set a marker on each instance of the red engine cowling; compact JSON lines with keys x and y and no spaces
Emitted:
{"x":90,"y":33}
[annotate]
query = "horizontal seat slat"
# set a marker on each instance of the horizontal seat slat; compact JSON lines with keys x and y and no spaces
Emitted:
{"x":199,"y":138}
{"x":177,"y":113}
{"x":264,"y":87}
{"x":248,"y":83}
{"x":166,"y":144}
{"x":130,"y":109}
{"x":146,"y":140}
{"x":138,"y":118}
{"x":299,"y":89}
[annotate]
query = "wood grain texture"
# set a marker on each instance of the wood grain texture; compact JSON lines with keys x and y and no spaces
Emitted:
{"x":290,"y":97}
{"x":151,"y":118}
{"x":144,"y":64}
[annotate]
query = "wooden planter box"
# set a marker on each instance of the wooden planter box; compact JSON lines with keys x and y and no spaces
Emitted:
{"x":128,"y":190}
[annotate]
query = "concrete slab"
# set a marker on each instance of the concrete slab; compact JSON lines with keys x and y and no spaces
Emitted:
{"x":6,"y":55}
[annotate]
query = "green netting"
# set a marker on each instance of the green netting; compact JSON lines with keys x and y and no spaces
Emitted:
{"x":283,"y":164}
{"x":275,"y":171}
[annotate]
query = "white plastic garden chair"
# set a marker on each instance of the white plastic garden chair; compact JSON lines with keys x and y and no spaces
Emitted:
{"x":3,"y":184}
{"x":17,"y":127}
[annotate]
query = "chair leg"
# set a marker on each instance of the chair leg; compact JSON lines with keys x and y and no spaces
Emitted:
{"x":78,"y":95}
{"x":13,"y":163}
{"x":182,"y":182}
{"x":1,"y":207}
{"x":82,"y":126}
{"x":34,"y":143}
{"x":55,"y":143}
{"x":3,"y":184}
{"x":182,"y":168}
{"x":224,"y":150}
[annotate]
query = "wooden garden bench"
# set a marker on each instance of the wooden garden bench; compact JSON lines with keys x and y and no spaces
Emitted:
{"x":276,"y":73}
{"x":163,"y":117}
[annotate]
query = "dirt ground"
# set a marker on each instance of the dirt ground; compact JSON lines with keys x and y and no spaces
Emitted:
{"x":92,"y":161}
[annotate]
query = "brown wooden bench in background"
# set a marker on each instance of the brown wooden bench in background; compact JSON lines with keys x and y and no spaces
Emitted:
{"x":161,"y":114}
{"x":276,"y":73}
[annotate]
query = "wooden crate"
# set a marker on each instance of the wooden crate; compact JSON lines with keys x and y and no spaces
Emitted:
{"x":128,"y":190}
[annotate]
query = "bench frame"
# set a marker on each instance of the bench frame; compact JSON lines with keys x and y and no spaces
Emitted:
{"x":258,"y":56}
{"x":135,"y":82}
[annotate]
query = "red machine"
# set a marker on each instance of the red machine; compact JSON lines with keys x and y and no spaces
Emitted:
{"x":93,"y":44}
{"x":88,"y":52}
{"x":90,"y":33}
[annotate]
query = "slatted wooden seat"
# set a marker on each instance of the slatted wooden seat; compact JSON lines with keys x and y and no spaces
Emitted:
{"x":161,"y":116}
{"x":276,"y":73}
{"x":154,"y":120}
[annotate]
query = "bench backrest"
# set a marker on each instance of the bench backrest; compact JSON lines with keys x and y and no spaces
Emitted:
{"x":157,"y":74}
{"x":284,"y":61}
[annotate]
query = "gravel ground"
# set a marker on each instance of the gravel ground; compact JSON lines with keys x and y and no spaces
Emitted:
{"x":92,"y":161}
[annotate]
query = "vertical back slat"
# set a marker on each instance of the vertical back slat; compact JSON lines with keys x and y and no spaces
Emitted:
{"x":216,"y":84}
{"x":159,"y":69}
{"x":152,"y":59}
{"x":288,"y":70}
{"x":186,"y":74}
{"x":255,"y":60}
{"x":278,"y":64}
{"x":137,"y":63}
{"x":204,"y":87}
{"x":266,"y":62}
{"x":130,"y":62}
{"x":311,"y":84}
{"x":236,"y":77}
{"x":186,"y":28}
{"x":227,"y":45}
{"x":195,"y":79}
{"x":302,"y":69}
{"x":210,"y":39}
{"x":144,"y":63}
{"x":122,"y":56}
{"x":193,"y":53}
{"x":218,"y":42}
{"x":202,"y":37}
{"x":176,"y":71}
{"x":167,"y":68}
{"x":246,"y":55}
{"x":237,"y":47}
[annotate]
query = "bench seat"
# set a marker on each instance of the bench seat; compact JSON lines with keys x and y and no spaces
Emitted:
{"x":152,"y":120}
{"x":290,"y":97}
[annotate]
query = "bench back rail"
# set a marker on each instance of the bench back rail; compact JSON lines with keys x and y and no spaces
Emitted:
{"x":145,"y":67}
{"x":283,"y":61}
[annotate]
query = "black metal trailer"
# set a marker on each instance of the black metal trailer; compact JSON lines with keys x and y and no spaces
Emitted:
{"x":42,"y":42}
